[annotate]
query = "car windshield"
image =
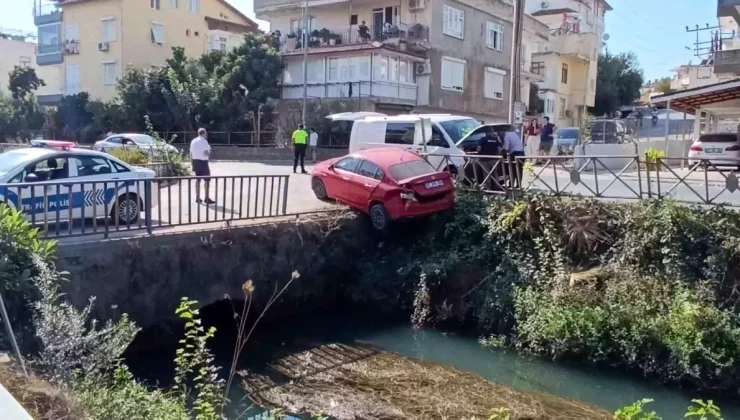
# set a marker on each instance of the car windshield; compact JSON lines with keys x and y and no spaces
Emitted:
{"x":413,"y":169}
{"x":13,"y":159}
{"x":568,"y":133}
{"x":142,"y":139}
{"x":458,"y":129}
{"x":718,"y":138}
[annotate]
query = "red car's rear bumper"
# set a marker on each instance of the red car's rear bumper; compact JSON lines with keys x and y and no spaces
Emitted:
{"x":402,"y":209}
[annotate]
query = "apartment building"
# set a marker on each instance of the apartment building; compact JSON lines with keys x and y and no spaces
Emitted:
{"x":691,"y":76}
{"x":394,"y":56}
{"x":17,"y":49}
{"x":569,"y":61}
{"x":88,"y":44}
{"x":726,"y":49}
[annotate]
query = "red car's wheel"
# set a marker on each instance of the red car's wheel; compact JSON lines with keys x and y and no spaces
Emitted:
{"x":379,"y":217}
{"x":318,"y":187}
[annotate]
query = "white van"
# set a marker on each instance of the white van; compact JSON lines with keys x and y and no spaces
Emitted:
{"x":442,"y":132}
{"x":340,"y":127}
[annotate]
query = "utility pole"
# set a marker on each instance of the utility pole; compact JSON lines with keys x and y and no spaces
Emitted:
{"x":702,"y":51}
{"x":515,"y":87}
{"x":304,"y":45}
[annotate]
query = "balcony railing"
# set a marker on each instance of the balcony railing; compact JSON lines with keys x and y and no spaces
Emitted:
{"x":45,"y":10}
{"x":320,"y":38}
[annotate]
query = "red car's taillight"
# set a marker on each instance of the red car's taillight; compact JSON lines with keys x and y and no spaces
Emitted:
{"x":734,"y":148}
{"x":696,"y":149}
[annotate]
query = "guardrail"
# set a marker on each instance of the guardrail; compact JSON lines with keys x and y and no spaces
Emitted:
{"x":696,"y":181}
{"x":65,"y":209}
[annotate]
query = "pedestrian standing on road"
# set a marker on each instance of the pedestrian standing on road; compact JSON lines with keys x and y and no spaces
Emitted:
{"x":300,"y":141}
{"x":532,"y":140}
{"x":200,"y":151}
{"x":547,"y":137}
{"x":314,"y":142}
{"x":514,"y":147}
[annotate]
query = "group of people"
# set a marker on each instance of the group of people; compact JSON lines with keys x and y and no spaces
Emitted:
{"x":539,"y":139}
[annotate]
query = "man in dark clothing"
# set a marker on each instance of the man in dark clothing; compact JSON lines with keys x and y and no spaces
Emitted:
{"x":489,"y":145}
{"x":547,"y":137}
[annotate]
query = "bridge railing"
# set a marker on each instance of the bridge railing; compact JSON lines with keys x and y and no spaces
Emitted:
{"x":692,"y":180}
{"x":74,"y":208}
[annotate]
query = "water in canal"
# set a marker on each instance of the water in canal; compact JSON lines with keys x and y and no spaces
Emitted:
{"x":607,"y":389}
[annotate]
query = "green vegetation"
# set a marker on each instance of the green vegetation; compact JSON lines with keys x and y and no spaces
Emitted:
{"x":649,"y":287}
{"x":130,"y":155}
{"x":699,"y":410}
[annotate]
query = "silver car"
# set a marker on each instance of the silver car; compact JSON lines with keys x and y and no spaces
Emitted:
{"x":143,"y":142}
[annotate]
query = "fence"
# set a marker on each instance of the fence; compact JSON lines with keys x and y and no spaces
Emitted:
{"x":269,"y":138}
{"x":107,"y":206}
{"x":695,"y":181}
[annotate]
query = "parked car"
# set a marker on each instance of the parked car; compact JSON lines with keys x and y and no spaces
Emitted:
{"x":404,"y":131}
{"x":48,"y":163}
{"x":608,"y":131}
{"x":566,"y":139}
{"x":143,"y":142}
{"x":469,"y":143}
{"x":386,"y":183}
{"x":721,"y":149}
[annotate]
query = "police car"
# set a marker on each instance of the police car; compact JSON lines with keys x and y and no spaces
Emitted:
{"x":42,"y":169}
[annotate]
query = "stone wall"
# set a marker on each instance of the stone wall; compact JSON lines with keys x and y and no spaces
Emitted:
{"x":147,"y":277}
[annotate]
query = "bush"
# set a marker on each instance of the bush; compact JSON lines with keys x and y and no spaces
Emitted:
{"x":132,"y":156}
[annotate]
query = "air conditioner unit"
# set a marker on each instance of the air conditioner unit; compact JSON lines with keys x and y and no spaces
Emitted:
{"x":416,"y":4}
{"x":422,"y":68}
{"x":103,"y":46}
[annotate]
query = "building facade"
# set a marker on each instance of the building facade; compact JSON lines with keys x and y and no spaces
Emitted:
{"x":88,"y":44}
{"x":391,"y":56}
{"x":569,"y":60}
{"x":693,"y":76}
{"x":16,"y":49}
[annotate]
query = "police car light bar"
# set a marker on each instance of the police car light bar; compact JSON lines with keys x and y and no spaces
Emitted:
{"x":64,"y":145}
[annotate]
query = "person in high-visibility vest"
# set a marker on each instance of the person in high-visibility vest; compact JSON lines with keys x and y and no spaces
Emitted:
{"x":300,"y":141}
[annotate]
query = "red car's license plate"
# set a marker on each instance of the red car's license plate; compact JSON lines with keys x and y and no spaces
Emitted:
{"x":433,"y":184}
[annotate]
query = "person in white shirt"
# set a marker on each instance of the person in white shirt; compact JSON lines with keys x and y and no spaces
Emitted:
{"x":313,"y":142}
{"x":514,"y":147}
{"x":200,"y":151}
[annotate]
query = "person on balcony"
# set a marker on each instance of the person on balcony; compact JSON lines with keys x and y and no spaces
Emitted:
{"x":364,"y":32}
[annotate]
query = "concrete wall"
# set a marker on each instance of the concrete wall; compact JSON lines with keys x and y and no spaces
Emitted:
{"x":147,"y":277}
{"x":627,"y":151}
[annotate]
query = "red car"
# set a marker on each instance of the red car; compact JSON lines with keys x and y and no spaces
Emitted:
{"x":386,"y":183}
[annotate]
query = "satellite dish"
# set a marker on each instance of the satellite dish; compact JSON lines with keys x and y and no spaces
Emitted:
{"x":605,"y":37}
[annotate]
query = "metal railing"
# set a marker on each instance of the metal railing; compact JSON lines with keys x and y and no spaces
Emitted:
{"x":694,"y":181}
{"x":69,"y":208}
{"x":321,"y":38}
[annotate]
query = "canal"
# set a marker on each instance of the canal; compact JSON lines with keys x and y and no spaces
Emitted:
{"x":606,"y":389}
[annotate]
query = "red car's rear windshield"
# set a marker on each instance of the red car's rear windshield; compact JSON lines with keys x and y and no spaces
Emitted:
{"x":718,"y":138}
{"x":413,"y":169}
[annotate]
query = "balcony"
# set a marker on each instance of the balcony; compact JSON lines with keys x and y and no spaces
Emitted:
{"x":46,"y":13}
{"x":584,"y":45}
{"x":52,"y":53}
{"x":730,"y":8}
{"x":383,"y":91}
{"x":727,"y":61}
{"x":402,"y":36}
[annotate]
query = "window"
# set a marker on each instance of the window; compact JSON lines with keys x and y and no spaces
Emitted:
{"x":219,"y":43}
{"x":91,"y":165}
{"x":72,"y":33}
{"x":438,"y":139}
{"x":333,"y":75}
{"x":564,"y":75}
{"x":115,"y":140}
{"x":110,"y":74}
{"x":563,"y":106}
{"x":591,"y":84}
{"x":353,"y":20}
{"x":394,"y":69}
{"x":154,"y":4}
{"x":494,"y":83}
{"x":457,"y":129}
{"x":453,"y":22}
{"x":494,"y":36}
{"x":109,"y":30}
{"x":549,"y":106}
{"x":368,"y":169}
{"x":315,"y":70}
{"x":119,"y":167}
{"x":194,"y":6}
{"x":380,"y":67}
{"x":49,"y":169}
{"x":157,"y":31}
{"x":703,"y":72}
{"x":538,"y":67}
{"x":412,"y":169}
{"x":174,"y":4}
{"x":453,"y":74}
{"x":72,"y":82}
{"x":403,"y":76}
{"x":49,"y":37}
{"x":399,"y":133}
{"x":347,"y":164}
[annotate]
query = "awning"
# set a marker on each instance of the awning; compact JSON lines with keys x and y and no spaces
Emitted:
{"x":719,"y":99}
{"x":298,"y":5}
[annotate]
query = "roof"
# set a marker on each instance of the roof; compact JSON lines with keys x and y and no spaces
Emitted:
{"x":690,"y":100}
{"x":407,"y":117}
{"x":387,"y":156}
{"x":547,"y":12}
{"x":352,"y":47}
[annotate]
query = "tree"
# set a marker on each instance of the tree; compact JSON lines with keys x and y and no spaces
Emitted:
{"x":23,"y":81}
{"x":663,"y":85}
{"x":618,"y":82}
